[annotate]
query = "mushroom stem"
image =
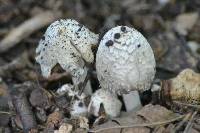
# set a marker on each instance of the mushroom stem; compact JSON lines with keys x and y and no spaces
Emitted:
{"x":132,"y":101}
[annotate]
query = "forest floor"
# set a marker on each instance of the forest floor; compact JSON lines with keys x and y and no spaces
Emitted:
{"x":28,"y":101}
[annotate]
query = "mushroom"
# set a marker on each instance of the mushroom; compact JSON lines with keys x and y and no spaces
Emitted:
{"x":78,"y":104}
{"x":111,"y":104}
{"x":125,"y":63}
{"x":68,"y":43}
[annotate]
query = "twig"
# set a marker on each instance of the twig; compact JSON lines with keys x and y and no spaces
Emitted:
{"x":189,"y":125}
{"x":8,"y":113}
{"x":16,"y":64}
{"x":187,"y":117}
{"x":140,"y":125}
{"x":187,"y":104}
{"x":27,"y":28}
{"x":83,"y":84}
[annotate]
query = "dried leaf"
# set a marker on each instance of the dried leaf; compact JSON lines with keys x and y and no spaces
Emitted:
{"x":155,"y":113}
{"x":107,"y":125}
{"x":131,"y":121}
{"x":83,"y":122}
{"x":136,"y":130}
{"x":54,"y":119}
{"x":185,"y":87}
{"x":39,"y":98}
{"x":80,"y":130}
{"x":64,"y":128}
{"x":159,"y":130}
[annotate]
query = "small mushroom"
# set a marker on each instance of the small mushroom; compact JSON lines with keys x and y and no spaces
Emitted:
{"x":125,"y":62}
{"x":78,"y":105}
{"x":68,"y":43}
{"x":111,"y":104}
{"x":79,"y":108}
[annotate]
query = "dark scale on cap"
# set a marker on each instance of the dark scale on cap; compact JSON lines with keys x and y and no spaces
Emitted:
{"x":80,"y":27}
{"x":138,"y":45}
{"x":73,"y":55}
{"x":117,"y":35}
{"x":43,"y":37}
{"x":77,"y":33}
{"x":43,"y":49}
{"x":59,"y":21}
{"x":123,"y":29}
{"x":80,"y":104}
{"x":45,"y":44}
{"x":78,"y":36}
{"x":109,"y":43}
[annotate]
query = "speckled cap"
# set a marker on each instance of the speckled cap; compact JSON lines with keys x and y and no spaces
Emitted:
{"x":125,"y":61}
{"x":68,"y":43}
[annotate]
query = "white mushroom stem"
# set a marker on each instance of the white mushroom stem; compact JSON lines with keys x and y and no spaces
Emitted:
{"x":132,"y":101}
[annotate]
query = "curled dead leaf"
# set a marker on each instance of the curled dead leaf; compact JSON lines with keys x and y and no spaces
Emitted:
{"x":184,"y":88}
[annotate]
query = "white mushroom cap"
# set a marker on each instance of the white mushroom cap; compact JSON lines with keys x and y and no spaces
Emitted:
{"x":111,"y":104}
{"x":125,"y":61}
{"x":68,"y":43}
{"x":79,"y":108}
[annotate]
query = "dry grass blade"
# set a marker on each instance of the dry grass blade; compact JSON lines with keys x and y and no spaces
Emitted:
{"x":141,"y":125}
{"x":27,"y":28}
{"x":195,"y":106}
{"x":189,"y":125}
{"x":187,"y":117}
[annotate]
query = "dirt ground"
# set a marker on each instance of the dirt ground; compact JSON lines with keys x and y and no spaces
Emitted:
{"x":29,"y":102}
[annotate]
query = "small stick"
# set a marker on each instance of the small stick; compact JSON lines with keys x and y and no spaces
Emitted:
{"x":16,"y":64}
{"x":8,"y":113}
{"x":189,"y":125}
{"x":140,"y":125}
{"x":187,"y":117}
{"x":83,"y":84}
{"x":27,"y":28}
{"x":187,"y":104}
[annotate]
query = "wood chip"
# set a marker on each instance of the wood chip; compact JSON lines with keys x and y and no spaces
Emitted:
{"x":27,"y":28}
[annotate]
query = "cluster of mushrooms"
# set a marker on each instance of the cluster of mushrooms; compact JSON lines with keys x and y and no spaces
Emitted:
{"x":125,"y":64}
